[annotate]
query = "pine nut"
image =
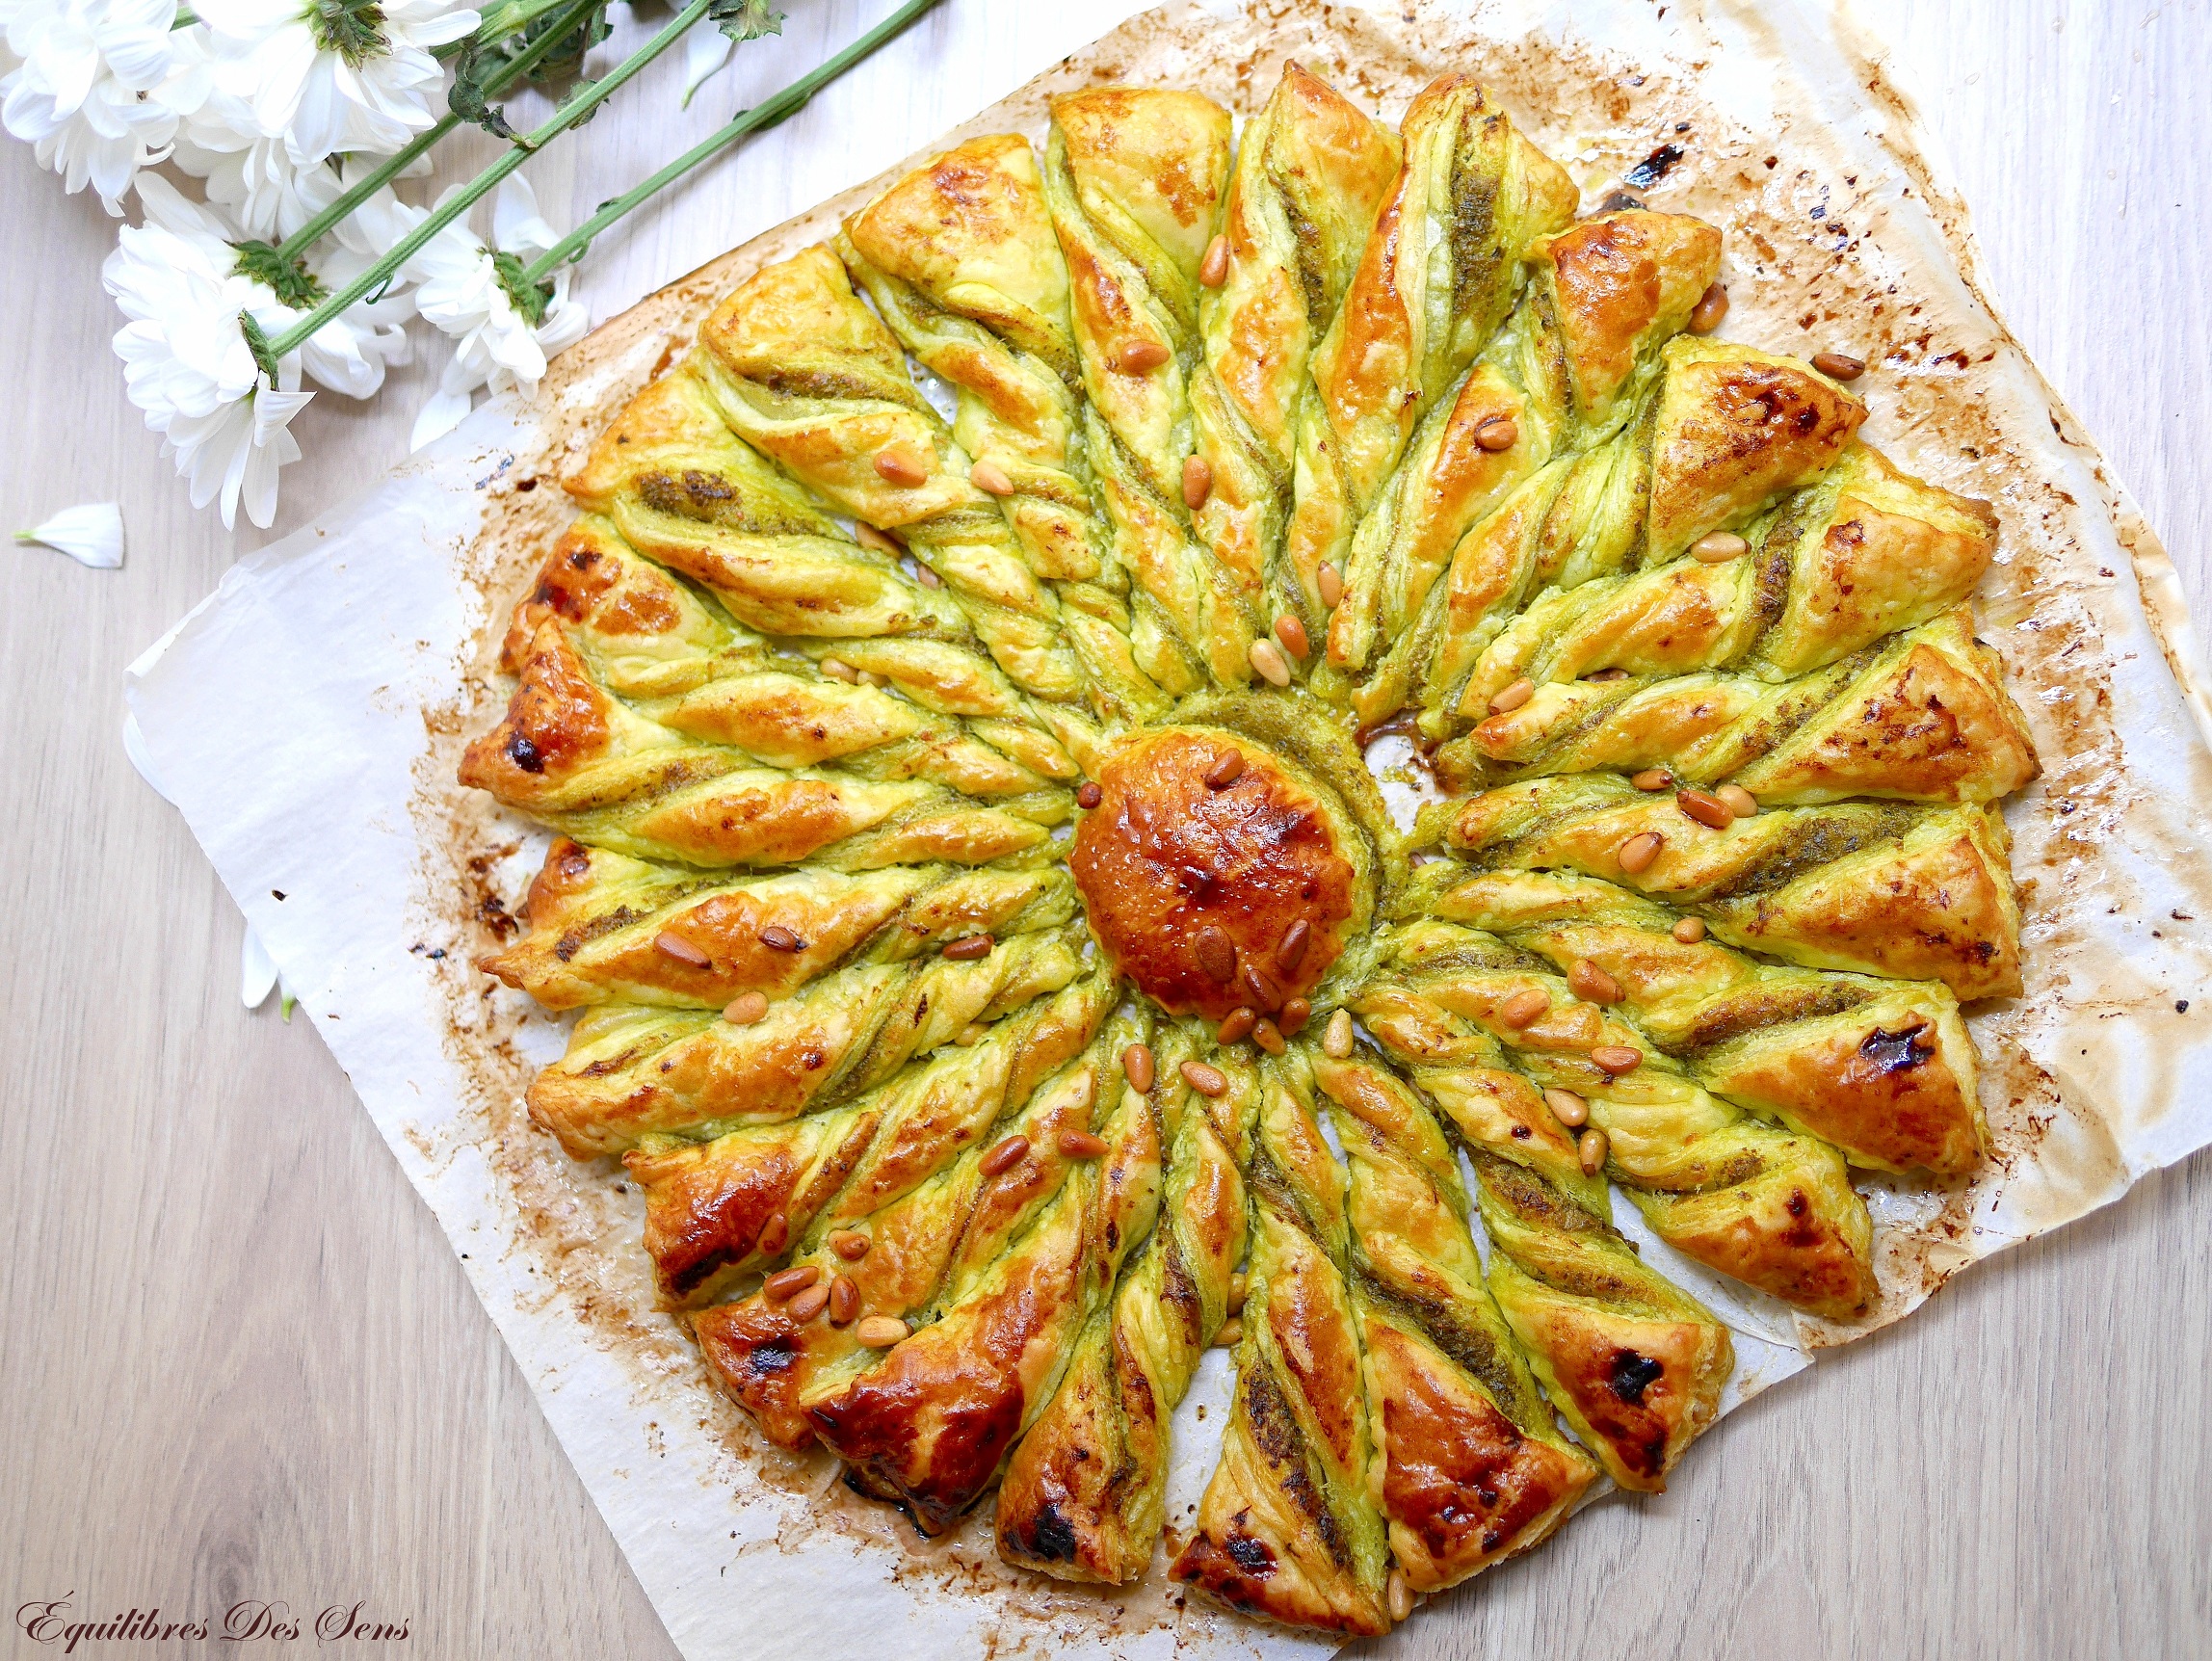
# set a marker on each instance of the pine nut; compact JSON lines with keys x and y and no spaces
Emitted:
{"x":1214,"y":269}
{"x":1236,"y":1027}
{"x":1639,"y":851}
{"x":1689,"y":931}
{"x":848,"y":1244}
{"x":1400,"y":1595}
{"x":1498,"y":433}
{"x":1206,"y":1080}
{"x":775,"y":1234}
{"x":1294,"y":1017}
{"x":1090,"y":795}
{"x":1718,"y":547}
{"x":1137,"y":1066}
{"x":1711,"y":307}
{"x":1230,"y":1334}
{"x":1240,"y":1286}
{"x":1216,"y":954}
{"x":1568,"y":1108}
{"x":746,"y":1009}
{"x":991,"y":477}
{"x":1005,"y":1156}
{"x":1652,"y":779}
{"x":805,"y":1306}
{"x":1198,"y":482}
{"x":837,"y":668}
{"x":968,"y":947}
{"x":869,"y":677}
{"x":1590,"y":1147}
{"x":1708,"y":810}
{"x":971,"y":1035}
{"x":844,"y":1301}
{"x":1591,"y":983}
{"x":1259,"y":990}
{"x":881,"y":1331}
{"x":777,"y":939}
{"x":1331,"y":582}
{"x":1290,"y":950}
{"x":1292,"y":633}
{"x":1616,"y":1058}
{"x":1268,"y":660}
{"x":1524,"y":1008}
{"x":1268,"y":1037}
{"x":1741,"y":802}
{"x":785,"y":1282}
{"x":1225,"y":771}
{"x":1513,"y":696}
{"x":900,"y":465}
{"x":1839,"y":367}
{"x":928,"y":578}
{"x":1141,"y":356}
{"x":1080,"y":1144}
{"x":868,"y":537}
{"x":671,"y":944}
{"x":1337,"y":1037}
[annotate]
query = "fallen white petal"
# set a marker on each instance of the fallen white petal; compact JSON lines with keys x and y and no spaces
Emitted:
{"x":444,"y":412}
{"x":256,"y":971}
{"x":91,"y":535}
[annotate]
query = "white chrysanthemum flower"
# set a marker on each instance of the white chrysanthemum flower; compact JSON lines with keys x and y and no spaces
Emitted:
{"x":333,"y":75}
{"x":460,"y":285}
{"x":91,"y":535}
{"x":98,"y":87}
{"x":186,"y":362}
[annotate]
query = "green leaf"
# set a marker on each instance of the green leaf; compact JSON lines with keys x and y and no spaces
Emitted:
{"x":743,"y":20}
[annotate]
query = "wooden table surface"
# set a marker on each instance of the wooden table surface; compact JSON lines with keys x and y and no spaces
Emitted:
{"x":238,"y":1360}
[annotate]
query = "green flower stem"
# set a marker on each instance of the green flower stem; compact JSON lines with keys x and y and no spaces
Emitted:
{"x":497,"y":22}
{"x":296,"y":245}
{"x":777,"y":107}
{"x":270,"y":352}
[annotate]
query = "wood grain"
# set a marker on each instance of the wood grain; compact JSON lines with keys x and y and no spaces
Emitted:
{"x":238,"y":1360}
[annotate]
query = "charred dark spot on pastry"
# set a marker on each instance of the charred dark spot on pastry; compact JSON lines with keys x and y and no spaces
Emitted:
{"x":1653,"y":168}
{"x":694,"y":1274}
{"x":1251,"y":1555}
{"x":524,"y":753}
{"x":1897,"y":1051}
{"x":1050,"y":1536}
{"x":1631,"y":1374}
{"x":771,"y":1357}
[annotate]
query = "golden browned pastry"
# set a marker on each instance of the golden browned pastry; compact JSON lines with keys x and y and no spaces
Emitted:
{"x":993,"y":962}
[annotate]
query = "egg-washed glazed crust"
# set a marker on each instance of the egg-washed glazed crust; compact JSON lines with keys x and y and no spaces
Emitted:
{"x":953,"y":1153}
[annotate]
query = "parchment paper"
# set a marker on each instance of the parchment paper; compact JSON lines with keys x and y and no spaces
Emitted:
{"x":307,"y":718}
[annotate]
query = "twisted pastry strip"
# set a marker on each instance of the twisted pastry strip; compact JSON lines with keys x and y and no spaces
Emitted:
{"x":1718,"y":433}
{"x":1085,"y":1495}
{"x":1133,"y":180}
{"x":1311,"y":173}
{"x":1882,"y":1068}
{"x":932,"y":1423}
{"x":1473,"y":1468}
{"x":597,"y":920}
{"x":630,"y":1070}
{"x":805,"y":373}
{"x":1774,"y":1209}
{"x":1633,"y":1363}
{"x":927,"y":1247}
{"x":1921,"y":717}
{"x":708,"y":1204}
{"x":1437,"y":277}
{"x":960,"y":259}
{"x":1865,"y":553}
{"x":1290,"y":1526}
{"x":575,"y":757}
{"x":1601,"y":299}
{"x":1914,"y":894}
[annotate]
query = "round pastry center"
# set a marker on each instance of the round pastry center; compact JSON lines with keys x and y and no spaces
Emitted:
{"x":1212,"y":874}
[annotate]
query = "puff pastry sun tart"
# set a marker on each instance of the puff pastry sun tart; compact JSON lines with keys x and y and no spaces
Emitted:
{"x":994,"y":961}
